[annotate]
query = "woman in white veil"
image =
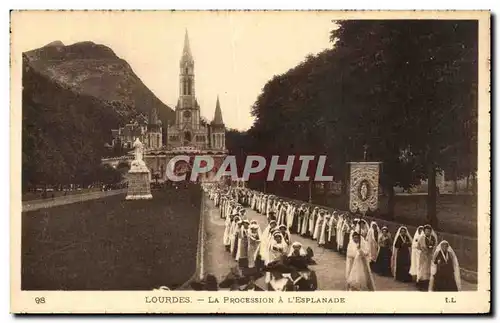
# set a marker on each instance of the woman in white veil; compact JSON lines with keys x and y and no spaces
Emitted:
{"x":401,"y":255}
{"x":345,"y":233}
{"x":427,"y":244}
{"x":232,"y":233}
{"x":266,"y":237}
{"x":358,"y":273}
{"x":312,"y":222}
{"x":415,"y":252}
{"x":322,"y":237}
{"x":305,"y":220}
{"x":255,"y":236}
{"x":340,"y":223}
{"x":445,"y":269}
{"x":363,"y":228}
{"x":372,"y":240}
{"x":277,"y":248}
{"x":318,"y":225}
{"x":331,"y":232}
{"x":226,"y":238}
{"x":297,"y":250}
{"x":285,"y":233}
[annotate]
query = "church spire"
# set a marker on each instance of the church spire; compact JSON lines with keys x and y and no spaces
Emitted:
{"x":186,"y":52}
{"x":218,"y":114}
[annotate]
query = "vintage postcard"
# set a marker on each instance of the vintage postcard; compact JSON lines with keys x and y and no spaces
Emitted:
{"x":183,"y":161}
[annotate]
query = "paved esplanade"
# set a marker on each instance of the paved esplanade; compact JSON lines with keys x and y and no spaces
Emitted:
{"x":330,"y":267}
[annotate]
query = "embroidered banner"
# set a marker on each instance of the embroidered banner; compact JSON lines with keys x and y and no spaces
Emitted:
{"x":363,"y":187}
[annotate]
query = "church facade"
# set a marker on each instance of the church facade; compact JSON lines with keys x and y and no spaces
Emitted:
{"x":188,"y":135}
{"x":148,"y":130}
{"x":189,"y":130}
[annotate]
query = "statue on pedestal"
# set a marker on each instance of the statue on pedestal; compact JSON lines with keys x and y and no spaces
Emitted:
{"x":138,"y":164}
{"x":138,"y":149}
{"x":139,"y":182}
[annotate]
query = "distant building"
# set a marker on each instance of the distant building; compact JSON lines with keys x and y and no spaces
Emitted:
{"x":187,"y":135}
{"x":149,"y":131}
{"x":188,"y":129}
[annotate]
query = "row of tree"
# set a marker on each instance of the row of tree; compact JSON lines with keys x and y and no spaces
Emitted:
{"x":403,"y":90}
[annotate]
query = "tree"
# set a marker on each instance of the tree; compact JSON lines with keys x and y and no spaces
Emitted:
{"x":108,"y":175}
{"x":63,"y":132}
{"x":123,"y":167}
{"x":406,"y":89}
{"x":419,"y":79}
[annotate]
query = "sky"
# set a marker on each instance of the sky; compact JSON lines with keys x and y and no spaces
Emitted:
{"x":235,"y":53}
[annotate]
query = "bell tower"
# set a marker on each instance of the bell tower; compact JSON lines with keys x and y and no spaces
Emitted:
{"x":218,"y":139}
{"x":187,"y":110}
{"x":186,"y":71}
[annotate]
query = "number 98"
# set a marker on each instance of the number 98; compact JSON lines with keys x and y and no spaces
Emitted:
{"x":40,"y":300}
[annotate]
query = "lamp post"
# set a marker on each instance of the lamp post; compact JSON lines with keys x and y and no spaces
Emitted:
{"x":310,"y":191}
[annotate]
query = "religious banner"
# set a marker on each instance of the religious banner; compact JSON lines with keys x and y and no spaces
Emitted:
{"x":363,"y":187}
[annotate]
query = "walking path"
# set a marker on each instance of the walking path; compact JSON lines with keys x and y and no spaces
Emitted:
{"x":69,"y":199}
{"x":330,"y":267}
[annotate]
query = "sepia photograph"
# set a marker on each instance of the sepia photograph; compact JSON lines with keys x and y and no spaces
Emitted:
{"x":162,"y":161}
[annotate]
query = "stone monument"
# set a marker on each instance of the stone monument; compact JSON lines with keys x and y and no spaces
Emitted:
{"x":138,"y":184}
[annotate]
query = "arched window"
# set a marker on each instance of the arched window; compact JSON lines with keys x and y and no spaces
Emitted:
{"x":189,"y":86}
{"x":187,"y":136}
{"x":186,"y":71}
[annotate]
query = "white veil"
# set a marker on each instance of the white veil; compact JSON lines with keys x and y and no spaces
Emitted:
{"x":273,"y":243}
{"x":452,"y":257}
{"x":417,"y":236}
{"x":394,"y":258}
{"x":373,"y":241}
{"x":302,"y":251}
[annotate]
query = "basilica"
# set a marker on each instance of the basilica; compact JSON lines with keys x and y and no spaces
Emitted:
{"x":188,"y":135}
{"x":188,"y":129}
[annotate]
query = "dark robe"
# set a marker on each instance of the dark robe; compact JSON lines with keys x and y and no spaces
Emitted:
{"x":237,"y":240}
{"x":297,"y":262}
{"x":444,"y":279}
{"x":383,"y":263}
{"x":295,"y":222}
{"x":308,"y":280}
{"x":403,"y":260}
{"x":304,"y":281}
{"x":331,"y":240}
{"x":373,"y":266}
{"x":347,"y":235}
{"x":243,"y":240}
{"x":221,"y":209}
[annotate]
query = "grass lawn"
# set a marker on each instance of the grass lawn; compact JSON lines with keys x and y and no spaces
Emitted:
{"x":112,"y":244}
{"x":32,"y":196}
{"x":457,"y":214}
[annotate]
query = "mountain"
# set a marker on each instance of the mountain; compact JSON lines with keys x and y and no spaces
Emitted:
{"x":95,"y":70}
{"x":72,"y":97}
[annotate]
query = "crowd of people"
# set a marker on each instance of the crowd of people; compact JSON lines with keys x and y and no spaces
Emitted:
{"x":368,"y":248}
